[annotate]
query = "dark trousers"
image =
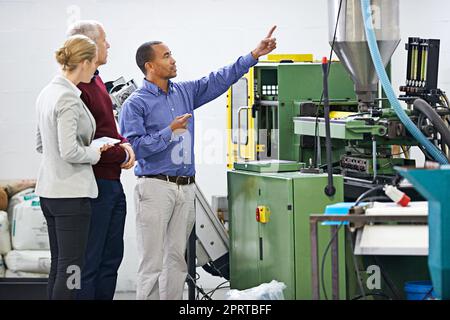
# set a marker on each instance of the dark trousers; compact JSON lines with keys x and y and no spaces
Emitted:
{"x":104,"y":251}
{"x":68,"y":227}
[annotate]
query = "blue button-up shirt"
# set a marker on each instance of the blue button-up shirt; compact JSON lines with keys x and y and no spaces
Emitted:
{"x":146,"y":116}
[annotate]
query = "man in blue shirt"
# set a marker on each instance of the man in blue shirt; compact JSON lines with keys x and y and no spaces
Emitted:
{"x":157,"y":119}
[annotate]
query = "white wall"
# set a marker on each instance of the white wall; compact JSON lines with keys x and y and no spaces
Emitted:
{"x":202,"y":34}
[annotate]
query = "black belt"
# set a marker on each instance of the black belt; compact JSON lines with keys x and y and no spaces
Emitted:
{"x":179,"y":180}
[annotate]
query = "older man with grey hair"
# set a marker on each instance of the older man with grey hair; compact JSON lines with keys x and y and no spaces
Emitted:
{"x":105,"y":246}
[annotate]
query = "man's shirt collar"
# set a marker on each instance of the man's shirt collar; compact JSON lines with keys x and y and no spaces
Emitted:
{"x":154,"y":89}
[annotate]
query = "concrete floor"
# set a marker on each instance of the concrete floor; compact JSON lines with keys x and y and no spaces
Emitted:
{"x":220,"y":294}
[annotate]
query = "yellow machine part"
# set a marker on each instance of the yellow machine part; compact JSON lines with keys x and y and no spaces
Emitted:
{"x":340,"y":114}
{"x":264,"y":214}
{"x":290,"y":57}
{"x":260,"y":147}
{"x":248,"y":150}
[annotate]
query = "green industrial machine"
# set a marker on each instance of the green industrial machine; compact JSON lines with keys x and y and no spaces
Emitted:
{"x":285,"y":96}
{"x":270,"y":97}
{"x":262,"y":186}
{"x":278,"y":150}
{"x":276,"y":112}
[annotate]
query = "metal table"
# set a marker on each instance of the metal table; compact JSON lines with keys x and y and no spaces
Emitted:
{"x":358,"y":221}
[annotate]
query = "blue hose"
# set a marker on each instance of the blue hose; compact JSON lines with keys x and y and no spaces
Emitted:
{"x":382,"y":75}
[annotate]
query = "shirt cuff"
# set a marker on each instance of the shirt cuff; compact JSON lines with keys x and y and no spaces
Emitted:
{"x":166,"y":134}
{"x":249,"y":61}
{"x":127,"y":156}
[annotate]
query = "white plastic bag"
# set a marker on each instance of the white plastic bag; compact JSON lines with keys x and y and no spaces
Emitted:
{"x":29,"y":261}
{"x":29,"y":227}
{"x":24,"y":195}
{"x":5,"y":237}
{"x":265,"y":291}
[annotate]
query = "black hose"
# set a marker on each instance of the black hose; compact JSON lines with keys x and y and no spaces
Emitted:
{"x":330,"y":190}
{"x":423,"y":107}
{"x":380,"y":198}
{"x":316,"y":134}
{"x":365,"y":194}
{"x":322,"y":269}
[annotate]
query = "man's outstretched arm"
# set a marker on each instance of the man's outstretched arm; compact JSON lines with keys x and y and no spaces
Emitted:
{"x":216,"y":83}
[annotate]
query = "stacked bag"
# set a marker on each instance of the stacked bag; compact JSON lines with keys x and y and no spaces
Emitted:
{"x":2,"y":267}
{"x":24,"y":241}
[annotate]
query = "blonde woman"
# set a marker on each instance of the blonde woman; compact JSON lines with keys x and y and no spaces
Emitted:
{"x":66,"y":180}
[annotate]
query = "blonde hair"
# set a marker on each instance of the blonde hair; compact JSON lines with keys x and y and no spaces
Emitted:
{"x":75,"y":50}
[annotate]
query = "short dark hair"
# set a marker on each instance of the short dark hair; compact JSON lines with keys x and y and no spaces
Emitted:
{"x":145,"y":53}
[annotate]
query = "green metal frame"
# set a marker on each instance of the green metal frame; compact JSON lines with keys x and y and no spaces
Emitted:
{"x":303,"y":82}
{"x":340,"y":129}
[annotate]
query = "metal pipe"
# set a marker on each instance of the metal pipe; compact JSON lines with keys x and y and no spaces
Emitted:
{"x":374,"y":158}
{"x":364,"y":219}
{"x":314,"y":260}
{"x":335,"y":262}
{"x":239,"y":131}
{"x":319,"y":152}
{"x":330,"y":190}
{"x":267,"y":103}
{"x":191,"y":263}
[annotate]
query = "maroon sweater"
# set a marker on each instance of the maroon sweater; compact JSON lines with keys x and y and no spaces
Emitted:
{"x":97,"y":99}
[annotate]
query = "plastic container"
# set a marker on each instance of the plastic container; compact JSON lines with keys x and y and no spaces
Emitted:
{"x":419,"y":290}
{"x":339,"y":208}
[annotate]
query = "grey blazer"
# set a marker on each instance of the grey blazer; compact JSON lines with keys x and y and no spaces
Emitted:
{"x":65,"y":131}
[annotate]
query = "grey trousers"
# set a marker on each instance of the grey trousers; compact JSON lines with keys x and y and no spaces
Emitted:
{"x":165,"y":215}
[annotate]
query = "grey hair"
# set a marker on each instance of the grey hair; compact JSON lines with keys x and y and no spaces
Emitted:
{"x":88,"y":28}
